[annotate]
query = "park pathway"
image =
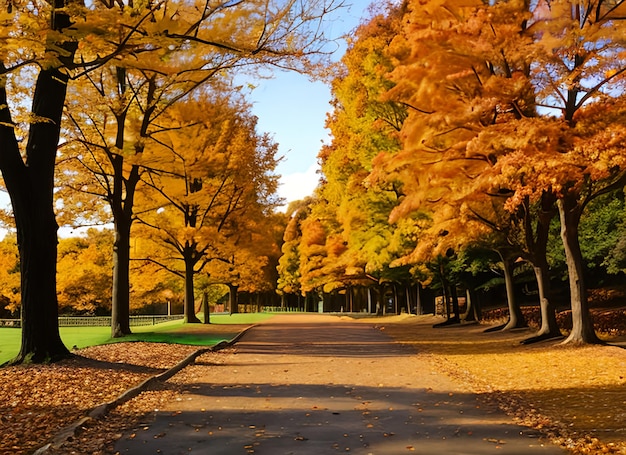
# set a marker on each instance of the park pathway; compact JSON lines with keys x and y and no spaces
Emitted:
{"x":323,"y":385}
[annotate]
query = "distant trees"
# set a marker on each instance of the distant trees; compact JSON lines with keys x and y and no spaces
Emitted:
{"x":190,"y":46}
{"x":209,"y":200}
{"x":518,"y":127}
{"x":340,"y":238}
{"x":477,"y":123}
{"x":84,"y":273}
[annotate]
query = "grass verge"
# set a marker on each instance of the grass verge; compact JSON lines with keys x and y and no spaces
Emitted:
{"x":222,"y":327}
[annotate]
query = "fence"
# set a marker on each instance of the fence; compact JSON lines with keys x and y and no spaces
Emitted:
{"x":278,"y":309}
{"x":99,"y":321}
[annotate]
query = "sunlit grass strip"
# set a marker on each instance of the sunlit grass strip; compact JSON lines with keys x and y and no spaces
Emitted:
{"x":167,"y":332}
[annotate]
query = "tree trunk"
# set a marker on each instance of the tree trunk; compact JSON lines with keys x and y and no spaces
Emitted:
{"x":190,"y":303}
{"x":516,"y":318}
{"x":537,"y":246}
{"x":455,"y":304}
{"x":350,"y":299}
{"x":206,"y":319}
{"x":120,"y":304}
{"x":233,"y":303}
{"x":30,"y":186}
{"x":407,"y":295}
{"x":121,"y":201}
{"x":470,"y":307}
{"x":446,"y":302}
{"x":419,"y":308}
{"x":582,"y":329}
{"x":549,"y":327}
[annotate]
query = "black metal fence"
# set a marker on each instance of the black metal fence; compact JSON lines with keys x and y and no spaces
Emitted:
{"x":99,"y":321}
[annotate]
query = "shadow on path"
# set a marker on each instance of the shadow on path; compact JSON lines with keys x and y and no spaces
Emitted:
{"x":312,"y":389}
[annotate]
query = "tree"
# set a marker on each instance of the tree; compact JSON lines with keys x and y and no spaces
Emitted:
{"x":28,"y":173}
{"x":579,"y":65}
{"x":191,"y":44}
{"x":84,"y":278}
{"x":254,"y":251}
{"x":448,"y":91}
{"x":289,"y":263}
{"x":206,"y":200}
{"x":520,"y":125}
{"x":355,"y":209}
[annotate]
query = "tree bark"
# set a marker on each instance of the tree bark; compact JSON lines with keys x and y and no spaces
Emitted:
{"x":470,"y":307}
{"x":30,"y":185}
{"x":582,"y":329}
{"x":190,"y":303}
{"x":455,"y":304}
{"x":537,"y":245}
{"x":418,"y":297}
{"x":120,"y":304}
{"x":121,"y":201}
{"x":516,"y":318}
{"x":549,"y":327}
{"x":233,"y":304}
{"x":407,"y":296}
{"x":206,"y":319}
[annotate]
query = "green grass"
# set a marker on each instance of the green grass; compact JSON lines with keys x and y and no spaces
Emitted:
{"x":167,"y":332}
{"x":9,"y":343}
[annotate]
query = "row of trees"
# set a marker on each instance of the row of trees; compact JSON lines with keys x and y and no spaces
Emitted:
{"x":113,"y":81}
{"x":465,"y":128}
{"x":84,"y":280}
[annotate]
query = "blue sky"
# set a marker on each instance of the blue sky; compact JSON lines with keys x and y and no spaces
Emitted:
{"x":293,"y":110}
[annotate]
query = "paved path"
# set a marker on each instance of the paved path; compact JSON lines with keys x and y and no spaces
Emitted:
{"x":303,"y":387}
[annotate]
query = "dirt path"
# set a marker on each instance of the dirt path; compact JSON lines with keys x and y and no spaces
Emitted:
{"x":323,"y":385}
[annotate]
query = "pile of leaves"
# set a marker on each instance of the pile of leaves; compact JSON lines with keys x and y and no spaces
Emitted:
{"x":37,"y":401}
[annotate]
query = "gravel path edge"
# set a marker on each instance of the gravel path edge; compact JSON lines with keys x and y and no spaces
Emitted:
{"x":98,"y":412}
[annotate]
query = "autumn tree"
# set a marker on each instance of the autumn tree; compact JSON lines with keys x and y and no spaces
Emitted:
{"x":250,"y":265}
{"x":45,"y":45}
{"x":27,"y":153}
{"x":190,"y":44}
{"x":289,"y":263}
{"x":154,"y":290}
{"x":442,"y":85}
{"x":498,"y":131}
{"x":361,"y":126}
{"x":205,"y":201}
{"x":309,"y":264}
{"x":578,"y":66}
{"x":84,"y":273}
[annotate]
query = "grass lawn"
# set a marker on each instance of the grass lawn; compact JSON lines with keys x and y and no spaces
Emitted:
{"x":222,"y":327}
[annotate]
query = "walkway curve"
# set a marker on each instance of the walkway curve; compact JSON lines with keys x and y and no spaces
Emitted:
{"x":324,"y":385}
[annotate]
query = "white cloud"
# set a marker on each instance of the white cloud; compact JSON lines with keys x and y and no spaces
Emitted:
{"x":298,"y":185}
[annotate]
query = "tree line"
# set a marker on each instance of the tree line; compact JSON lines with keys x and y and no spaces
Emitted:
{"x":468,"y":138}
{"x":102,"y":98}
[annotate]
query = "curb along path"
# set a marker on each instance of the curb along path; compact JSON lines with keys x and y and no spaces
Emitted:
{"x":305,"y":386}
{"x":68,"y":433}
